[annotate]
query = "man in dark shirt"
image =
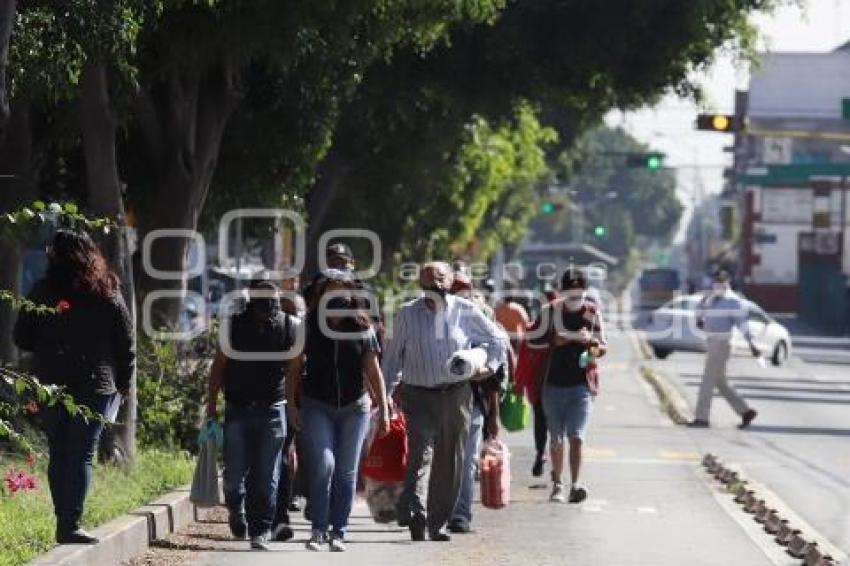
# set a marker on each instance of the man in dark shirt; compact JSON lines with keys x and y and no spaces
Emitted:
{"x":575,"y":339}
{"x":251,"y":372}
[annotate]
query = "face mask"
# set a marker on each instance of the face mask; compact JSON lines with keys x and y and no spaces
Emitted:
{"x":720,"y":288}
{"x":268,"y":306}
{"x":438,"y":291}
{"x":575,"y":300}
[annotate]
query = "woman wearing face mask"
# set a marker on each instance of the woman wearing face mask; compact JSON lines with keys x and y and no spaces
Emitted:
{"x":254,"y":421}
{"x":341,"y":348}
{"x":574,"y":335}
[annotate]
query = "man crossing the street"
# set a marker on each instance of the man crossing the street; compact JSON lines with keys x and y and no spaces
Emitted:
{"x":720,"y":312}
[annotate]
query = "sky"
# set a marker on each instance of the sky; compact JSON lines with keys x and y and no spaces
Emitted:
{"x":817,"y":26}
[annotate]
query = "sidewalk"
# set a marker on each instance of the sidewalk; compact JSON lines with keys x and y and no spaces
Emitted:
{"x":649,"y":504}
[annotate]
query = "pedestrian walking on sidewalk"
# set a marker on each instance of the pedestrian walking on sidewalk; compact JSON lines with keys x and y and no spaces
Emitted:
{"x":720,"y":312}
{"x":427,"y":332}
{"x":87,"y":347}
{"x":254,"y":415}
{"x":484,"y":423}
{"x":576,"y":339}
{"x":329,"y":404}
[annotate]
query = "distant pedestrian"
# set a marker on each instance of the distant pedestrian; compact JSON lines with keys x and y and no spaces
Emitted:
{"x":254,"y":415}
{"x":484,"y":423}
{"x":87,"y":346}
{"x":428,"y":331}
{"x":718,"y":313}
{"x":575,"y":339}
{"x":329,"y":404}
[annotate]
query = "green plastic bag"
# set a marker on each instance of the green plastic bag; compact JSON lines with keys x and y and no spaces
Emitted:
{"x":514,"y":411}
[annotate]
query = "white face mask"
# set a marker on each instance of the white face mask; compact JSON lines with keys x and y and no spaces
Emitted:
{"x":720,"y":288}
{"x":574,"y":299}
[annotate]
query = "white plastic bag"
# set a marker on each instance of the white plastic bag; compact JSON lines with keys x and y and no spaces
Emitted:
{"x":466,"y":363}
{"x":205,"y":491}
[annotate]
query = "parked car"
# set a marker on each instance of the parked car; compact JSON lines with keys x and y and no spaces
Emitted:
{"x":673,"y":327}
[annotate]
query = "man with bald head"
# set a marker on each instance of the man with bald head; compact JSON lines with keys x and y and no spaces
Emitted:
{"x":427,"y":332}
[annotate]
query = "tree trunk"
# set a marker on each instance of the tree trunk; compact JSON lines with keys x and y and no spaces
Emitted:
{"x":7,"y":22}
{"x":322,"y":195}
{"x":17,"y":186}
{"x":182,"y":120}
{"x":98,"y":125}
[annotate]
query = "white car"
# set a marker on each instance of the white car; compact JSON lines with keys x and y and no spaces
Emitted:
{"x":673,"y":327}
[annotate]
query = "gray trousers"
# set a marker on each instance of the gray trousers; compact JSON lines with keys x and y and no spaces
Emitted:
{"x":437,"y":429}
{"x":714,"y":376}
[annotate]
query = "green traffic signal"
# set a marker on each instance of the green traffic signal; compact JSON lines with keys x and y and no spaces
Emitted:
{"x":653,"y":161}
{"x":600,"y":231}
{"x":547,"y":207}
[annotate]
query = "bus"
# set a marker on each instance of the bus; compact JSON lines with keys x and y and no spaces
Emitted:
{"x":657,"y":286}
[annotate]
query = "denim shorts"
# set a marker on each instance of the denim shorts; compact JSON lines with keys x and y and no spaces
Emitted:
{"x":567,"y":411}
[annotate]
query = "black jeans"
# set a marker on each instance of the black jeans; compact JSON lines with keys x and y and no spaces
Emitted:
{"x":540,"y":430}
{"x":72,"y":443}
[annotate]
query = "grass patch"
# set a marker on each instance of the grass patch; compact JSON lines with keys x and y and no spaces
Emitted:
{"x":27,"y":523}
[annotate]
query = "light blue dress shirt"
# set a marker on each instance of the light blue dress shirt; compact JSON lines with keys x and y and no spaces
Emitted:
{"x":422,"y":341}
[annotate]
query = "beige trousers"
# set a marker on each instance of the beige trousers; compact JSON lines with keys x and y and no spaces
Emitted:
{"x":714,"y":376}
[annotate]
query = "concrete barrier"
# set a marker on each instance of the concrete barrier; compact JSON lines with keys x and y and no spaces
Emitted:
{"x":127,"y":536}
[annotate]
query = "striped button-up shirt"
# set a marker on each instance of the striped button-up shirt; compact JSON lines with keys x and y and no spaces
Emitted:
{"x":423,"y":340}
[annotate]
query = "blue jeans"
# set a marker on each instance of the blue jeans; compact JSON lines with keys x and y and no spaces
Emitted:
{"x":333,"y":439}
{"x":463,"y":508}
{"x":71,"y":443}
{"x":253,"y":437}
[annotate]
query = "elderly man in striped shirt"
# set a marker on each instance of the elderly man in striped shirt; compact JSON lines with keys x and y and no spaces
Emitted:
{"x":427,"y":332}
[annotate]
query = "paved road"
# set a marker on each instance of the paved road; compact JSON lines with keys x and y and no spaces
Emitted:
{"x":800,"y":444}
{"x":649,"y":504}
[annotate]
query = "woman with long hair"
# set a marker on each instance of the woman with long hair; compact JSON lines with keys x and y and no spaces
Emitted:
{"x":330,"y":404}
{"x":86,"y":346}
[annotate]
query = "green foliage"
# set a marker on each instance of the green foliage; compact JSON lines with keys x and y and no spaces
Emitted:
{"x":114,"y":492}
{"x":171,"y":382}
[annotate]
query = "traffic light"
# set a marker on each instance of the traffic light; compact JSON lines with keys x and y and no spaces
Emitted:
{"x":599,"y":231}
{"x":717,"y":123}
{"x":652,"y":161}
{"x":549,"y":207}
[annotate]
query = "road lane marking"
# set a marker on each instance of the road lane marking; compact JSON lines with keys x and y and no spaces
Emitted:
{"x":679,"y":455}
{"x":600,"y":453}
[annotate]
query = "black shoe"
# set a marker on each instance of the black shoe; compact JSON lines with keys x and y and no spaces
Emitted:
{"x":238,"y":525}
{"x":577,"y":495}
{"x":698,"y":423}
{"x":747,"y":418}
{"x":537,"y":468}
{"x":282,"y":532}
{"x":294,"y":507}
{"x":78,"y":536}
{"x":417,"y":529}
{"x":439,"y":536}
{"x":459,"y":527}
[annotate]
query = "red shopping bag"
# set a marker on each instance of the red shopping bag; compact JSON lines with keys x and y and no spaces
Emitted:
{"x":386,"y":459}
{"x":530,"y":361}
{"x":495,"y":475}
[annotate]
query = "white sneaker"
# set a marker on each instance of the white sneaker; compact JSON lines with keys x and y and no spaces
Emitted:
{"x":260,"y":542}
{"x":337,"y":544}
{"x":557,"y":493}
{"x":317,"y":540}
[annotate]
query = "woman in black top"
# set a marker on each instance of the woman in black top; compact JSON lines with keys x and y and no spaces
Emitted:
{"x":87,"y":347}
{"x":341,"y":349}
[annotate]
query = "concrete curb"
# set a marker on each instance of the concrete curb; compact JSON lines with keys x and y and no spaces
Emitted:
{"x":672,"y":402}
{"x":127,"y":536}
{"x":800,"y":539}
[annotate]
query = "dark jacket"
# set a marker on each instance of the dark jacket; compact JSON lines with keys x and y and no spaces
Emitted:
{"x":88,"y":348}
{"x":334,"y":367}
{"x":258,"y":381}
